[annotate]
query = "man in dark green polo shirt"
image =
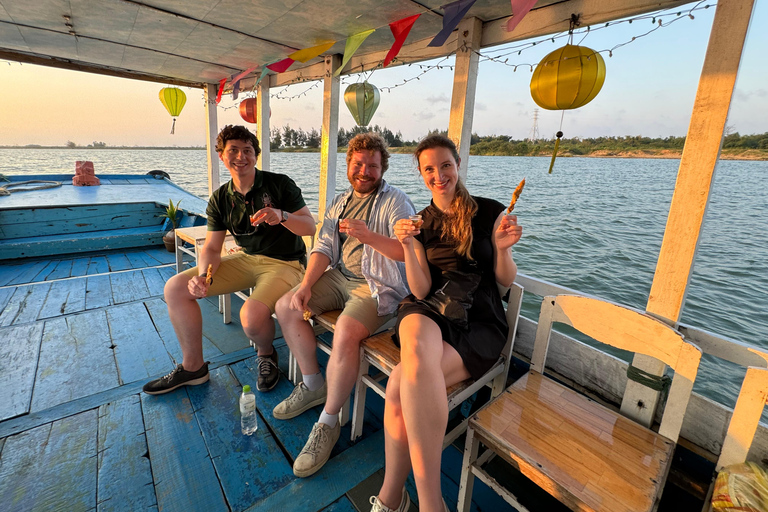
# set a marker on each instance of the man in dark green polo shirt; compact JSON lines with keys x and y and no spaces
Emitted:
{"x":267,"y":216}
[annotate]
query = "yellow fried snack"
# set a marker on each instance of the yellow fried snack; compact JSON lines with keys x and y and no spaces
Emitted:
{"x":307,"y":314}
{"x":515,"y":196}
{"x":209,"y":275}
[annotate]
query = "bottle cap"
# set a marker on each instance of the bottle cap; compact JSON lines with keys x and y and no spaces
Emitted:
{"x":246,"y":388}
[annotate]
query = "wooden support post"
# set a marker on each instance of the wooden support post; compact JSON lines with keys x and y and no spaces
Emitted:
{"x":694,"y":181}
{"x":330,"y":131}
{"x":262,"y":123}
{"x":212,"y":131}
{"x":464,"y":85}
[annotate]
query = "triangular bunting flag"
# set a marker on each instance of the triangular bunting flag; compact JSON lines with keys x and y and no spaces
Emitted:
{"x":353,"y":43}
{"x":222,"y":83}
{"x":400,"y":29}
{"x":281,"y":65}
{"x":264,"y":72}
{"x":453,"y":14}
{"x":519,"y":9}
{"x":235,"y":88}
{"x":242,"y":75}
{"x":310,"y":53}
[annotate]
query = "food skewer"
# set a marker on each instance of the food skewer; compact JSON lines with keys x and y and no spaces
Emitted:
{"x":515,"y":196}
{"x":209,"y":275}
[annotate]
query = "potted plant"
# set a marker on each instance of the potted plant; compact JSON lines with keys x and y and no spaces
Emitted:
{"x":173,"y":214}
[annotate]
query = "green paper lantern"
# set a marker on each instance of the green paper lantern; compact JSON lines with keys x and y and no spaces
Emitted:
{"x":362,"y":100}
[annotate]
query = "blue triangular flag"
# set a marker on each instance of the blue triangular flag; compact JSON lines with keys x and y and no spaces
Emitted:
{"x":454,"y":12}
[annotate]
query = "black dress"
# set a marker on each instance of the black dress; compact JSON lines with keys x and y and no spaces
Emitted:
{"x":481,"y":343}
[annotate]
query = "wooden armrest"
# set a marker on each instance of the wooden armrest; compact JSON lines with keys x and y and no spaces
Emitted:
{"x":328,"y":319}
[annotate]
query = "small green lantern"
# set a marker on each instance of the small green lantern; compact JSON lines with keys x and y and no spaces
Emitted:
{"x":362,"y":100}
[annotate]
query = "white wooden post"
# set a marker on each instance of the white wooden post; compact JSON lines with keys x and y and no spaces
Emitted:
{"x":262,"y":123}
{"x":330,"y":131}
{"x":211,"y":131}
{"x":694,"y":181}
{"x":464,"y":86}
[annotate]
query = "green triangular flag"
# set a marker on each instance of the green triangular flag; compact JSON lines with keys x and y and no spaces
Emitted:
{"x":353,"y":43}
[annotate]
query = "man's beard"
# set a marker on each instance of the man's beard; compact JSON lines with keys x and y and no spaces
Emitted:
{"x":364,"y":187}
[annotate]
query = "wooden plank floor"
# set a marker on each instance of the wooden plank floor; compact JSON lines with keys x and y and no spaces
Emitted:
{"x":80,"y":336}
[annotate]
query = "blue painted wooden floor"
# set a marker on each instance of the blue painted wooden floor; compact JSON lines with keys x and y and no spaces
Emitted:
{"x":78,"y":339}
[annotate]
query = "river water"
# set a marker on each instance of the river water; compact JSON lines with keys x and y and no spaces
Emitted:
{"x":595,"y":225}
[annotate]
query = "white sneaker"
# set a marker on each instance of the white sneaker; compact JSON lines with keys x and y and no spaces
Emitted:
{"x":316,"y":452}
{"x":378,"y":506}
{"x":301,"y":399}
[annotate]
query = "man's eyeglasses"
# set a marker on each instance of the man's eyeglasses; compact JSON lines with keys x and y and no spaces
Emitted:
{"x":233,"y":226}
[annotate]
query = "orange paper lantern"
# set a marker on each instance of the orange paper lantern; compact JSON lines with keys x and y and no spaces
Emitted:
{"x":248,"y":110}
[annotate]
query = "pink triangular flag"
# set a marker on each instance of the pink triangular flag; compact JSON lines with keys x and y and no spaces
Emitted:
{"x":519,"y":9}
{"x":281,"y":65}
{"x":400,"y":29}
{"x":453,"y":14}
{"x":242,"y":75}
{"x":222,"y":83}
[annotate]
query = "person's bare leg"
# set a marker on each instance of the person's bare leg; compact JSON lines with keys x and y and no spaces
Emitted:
{"x":428,"y":365}
{"x":258,"y":325}
{"x":344,"y":362}
{"x":397,"y":455}
{"x":187,"y":321}
{"x":298,"y":334}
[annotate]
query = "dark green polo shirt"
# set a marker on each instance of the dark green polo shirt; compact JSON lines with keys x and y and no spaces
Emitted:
{"x":229,"y":210}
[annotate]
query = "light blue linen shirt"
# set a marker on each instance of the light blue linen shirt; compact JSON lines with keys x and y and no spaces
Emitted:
{"x":385,"y":277}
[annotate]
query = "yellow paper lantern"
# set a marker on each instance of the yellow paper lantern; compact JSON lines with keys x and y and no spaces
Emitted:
{"x":173,"y":99}
{"x":569,"y":77}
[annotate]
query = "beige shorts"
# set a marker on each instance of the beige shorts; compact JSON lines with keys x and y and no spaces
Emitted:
{"x":270,"y":278}
{"x":334,"y":291}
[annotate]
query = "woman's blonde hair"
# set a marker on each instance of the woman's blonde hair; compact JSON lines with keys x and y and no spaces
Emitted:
{"x":457,"y":224}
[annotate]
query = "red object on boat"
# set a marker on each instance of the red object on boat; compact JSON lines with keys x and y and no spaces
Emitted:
{"x":248,"y":110}
{"x":84,"y":176}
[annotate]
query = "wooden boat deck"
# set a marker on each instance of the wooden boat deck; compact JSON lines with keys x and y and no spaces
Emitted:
{"x":79,"y":336}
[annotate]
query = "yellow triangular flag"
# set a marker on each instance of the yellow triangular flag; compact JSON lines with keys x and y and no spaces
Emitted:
{"x":310,"y":53}
{"x":353,"y":43}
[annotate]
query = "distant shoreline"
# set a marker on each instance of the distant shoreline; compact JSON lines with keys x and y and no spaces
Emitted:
{"x":725,"y":154}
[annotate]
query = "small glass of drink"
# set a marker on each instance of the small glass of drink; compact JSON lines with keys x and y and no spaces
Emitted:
{"x":416,"y":221}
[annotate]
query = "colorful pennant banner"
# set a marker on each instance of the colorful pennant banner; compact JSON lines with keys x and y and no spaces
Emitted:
{"x":353,"y":43}
{"x":222,"y":83}
{"x":400,"y":29}
{"x":281,"y":66}
{"x":519,"y":9}
{"x":310,"y":53}
{"x":454,"y":12}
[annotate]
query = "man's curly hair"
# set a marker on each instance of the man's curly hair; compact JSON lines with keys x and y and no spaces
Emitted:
{"x":372,"y":142}
{"x":236,"y":132}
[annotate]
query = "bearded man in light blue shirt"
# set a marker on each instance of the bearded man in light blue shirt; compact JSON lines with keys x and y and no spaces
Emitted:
{"x":355,"y":266}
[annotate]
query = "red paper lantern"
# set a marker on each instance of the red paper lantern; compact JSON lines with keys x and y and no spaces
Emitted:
{"x":248,"y":110}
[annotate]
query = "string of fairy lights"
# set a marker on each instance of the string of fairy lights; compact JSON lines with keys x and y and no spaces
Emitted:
{"x":659,"y":19}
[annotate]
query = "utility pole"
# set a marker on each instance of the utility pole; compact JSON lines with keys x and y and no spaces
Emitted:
{"x":534,"y":136}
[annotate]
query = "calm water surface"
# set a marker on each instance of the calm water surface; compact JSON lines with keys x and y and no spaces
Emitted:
{"x":594,"y":225}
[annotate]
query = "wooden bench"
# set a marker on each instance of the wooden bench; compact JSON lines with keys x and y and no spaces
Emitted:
{"x":379,"y":351}
{"x":586,"y":455}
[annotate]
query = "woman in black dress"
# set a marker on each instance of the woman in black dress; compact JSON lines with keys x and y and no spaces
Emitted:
{"x":459,"y":232}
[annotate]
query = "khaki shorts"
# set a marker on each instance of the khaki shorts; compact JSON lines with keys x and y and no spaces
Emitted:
{"x":334,"y":291}
{"x":270,"y":278}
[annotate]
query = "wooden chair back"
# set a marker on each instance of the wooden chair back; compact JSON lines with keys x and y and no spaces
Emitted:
{"x":630,"y":330}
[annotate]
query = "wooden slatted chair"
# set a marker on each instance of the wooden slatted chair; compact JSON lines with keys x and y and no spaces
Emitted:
{"x":380,"y":352}
{"x":743,"y":425}
{"x":586,"y":455}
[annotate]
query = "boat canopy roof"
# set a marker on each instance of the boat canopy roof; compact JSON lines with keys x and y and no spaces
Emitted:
{"x":198,"y":42}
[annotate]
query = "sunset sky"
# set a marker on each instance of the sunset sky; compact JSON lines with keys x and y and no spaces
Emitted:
{"x":649,"y":90}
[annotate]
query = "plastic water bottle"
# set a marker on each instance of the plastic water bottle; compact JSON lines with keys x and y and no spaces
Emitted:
{"x":248,"y":423}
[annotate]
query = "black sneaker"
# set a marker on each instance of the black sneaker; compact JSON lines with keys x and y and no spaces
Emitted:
{"x":177,"y":378}
{"x":269,"y":373}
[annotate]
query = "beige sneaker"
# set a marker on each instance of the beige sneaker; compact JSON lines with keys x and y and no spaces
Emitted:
{"x":301,"y":399}
{"x":317,"y":450}
{"x":378,"y":506}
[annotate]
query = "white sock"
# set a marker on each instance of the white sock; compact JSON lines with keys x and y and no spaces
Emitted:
{"x":328,"y":419}
{"x":314,"y":381}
